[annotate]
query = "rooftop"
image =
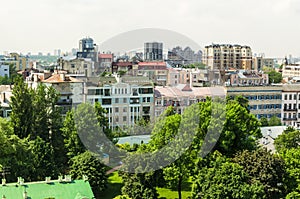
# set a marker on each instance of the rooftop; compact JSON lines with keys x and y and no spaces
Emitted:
{"x":60,"y":78}
{"x":76,"y":189}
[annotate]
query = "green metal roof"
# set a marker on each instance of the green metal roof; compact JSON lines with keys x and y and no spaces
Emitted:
{"x":77,"y":189}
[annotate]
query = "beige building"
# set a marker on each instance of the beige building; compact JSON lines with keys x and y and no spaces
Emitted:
{"x":5,"y":99}
{"x":79,"y":66}
{"x":264,"y":101}
{"x":19,"y":61}
{"x":182,"y":96}
{"x":224,"y":56}
{"x":291,"y":70}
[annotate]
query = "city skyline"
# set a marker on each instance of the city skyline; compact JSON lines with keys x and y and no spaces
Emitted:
{"x":269,"y":27}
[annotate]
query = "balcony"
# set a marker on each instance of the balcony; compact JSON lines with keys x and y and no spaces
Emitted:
{"x":290,"y":109}
{"x":289,"y":119}
{"x":64,"y":102}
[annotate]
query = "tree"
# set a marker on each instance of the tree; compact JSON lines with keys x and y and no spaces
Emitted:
{"x":240,"y":130}
{"x":274,"y":77}
{"x":290,"y":138}
{"x":224,"y":179}
{"x":43,"y":162}
{"x":103,"y":120}
{"x":22,"y":109}
{"x":274,"y":121}
{"x":87,"y":164}
{"x":266,"y":168}
{"x":72,"y":141}
{"x":264,"y":121}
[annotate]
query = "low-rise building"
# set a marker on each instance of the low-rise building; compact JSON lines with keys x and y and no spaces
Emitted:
{"x":4,"y":70}
{"x":264,"y":101}
{"x":182,"y":96}
{"x":5,"y":99}
{"x":247,"y":78}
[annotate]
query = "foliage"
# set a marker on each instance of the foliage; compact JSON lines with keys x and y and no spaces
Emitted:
{"x":274,"y":77}
{"x":266,"y":168}
{"x":72,"y":140}
{"x":264,"y":121}
{"x":274,"y":121}
{"x":223,"y":179}
{"x":138,"y":186}
{"x":89,"y":165}
{"x":290,"y":138}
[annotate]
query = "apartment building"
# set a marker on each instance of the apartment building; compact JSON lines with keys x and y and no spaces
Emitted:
{"x":264,"y":101}
{"x":4,"y":70}
{"x":5,"y":95}
{"x":126,"y":99}
{"x":291,"y":105}
{"x":78,"y":66}
{"x":291,"y":70}
{"x":224,"y":56}
{"x":105,"y":61}
{"x":182,"y":96}
{"x":247,"y":78}
{"x":19,"y":61}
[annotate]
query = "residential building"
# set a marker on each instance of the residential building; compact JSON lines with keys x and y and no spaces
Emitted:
{"x":224,"y":56}
{"x":122,"y":66}
{"x":19,"y":61}
{"x":291,"y":105}
{"x":182,"y":96}
{"x":69,"y":88}
{"x":247,"y":78}
{"x":291,"y":70}
{"x":4,"y":70}
{"x":74,"y":65}
{"x":126,"y":99}
{"x":259,"y":62}
{"x":62,"y":188}
{"x":264,"y":101}
{"x":156,"y":71}
{"x":269,"y":134}
{"x":5,"y":99}
{"x":105,"y":61}
{"x":153,"y":51}
{"x":178,"y":56}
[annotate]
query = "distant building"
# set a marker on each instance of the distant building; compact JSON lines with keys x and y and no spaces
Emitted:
{"x":19,"y":61}
{"x":73,"y":65}
{"x":224,"y":56}
{"x":87,"y":49}
{"x":291,"y":70}
{"x":247,"y":78}
{"x":105,"y":61}
{"x":4,"y":70}
{"x":156,"y":71}
{"x":178,"y":56}
{"x":153,"y":51}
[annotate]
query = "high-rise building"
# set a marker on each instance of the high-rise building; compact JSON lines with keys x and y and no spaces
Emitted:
{"x":153,"y":51}
{"x":225,"y":56}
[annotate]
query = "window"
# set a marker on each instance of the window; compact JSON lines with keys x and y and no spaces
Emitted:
{"x":124,"y":109}
{"x":124,"y":118}
{"x":116,"y":109}
{"x":290,"y":96}
{"x":295,"y":96}
{"x":124,"y":100}
{"x":117,"y":119}
{"x":117,"y":100}
{"x":106,"y":101}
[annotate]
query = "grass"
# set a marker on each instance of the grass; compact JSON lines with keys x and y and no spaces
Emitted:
{"x":115,"y":184}
{"x":113,"y":188}
{"x":170,"y":194}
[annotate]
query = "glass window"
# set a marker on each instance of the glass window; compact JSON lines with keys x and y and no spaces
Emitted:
{"x":117,"y":109}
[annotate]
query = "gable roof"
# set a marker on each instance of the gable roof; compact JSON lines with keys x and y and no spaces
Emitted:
{"x":76,"y":189}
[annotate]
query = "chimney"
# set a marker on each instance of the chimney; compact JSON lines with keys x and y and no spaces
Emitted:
{"x":62,"y":76}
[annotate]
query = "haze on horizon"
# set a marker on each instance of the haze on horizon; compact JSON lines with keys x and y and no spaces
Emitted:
{"x":269,"y":26}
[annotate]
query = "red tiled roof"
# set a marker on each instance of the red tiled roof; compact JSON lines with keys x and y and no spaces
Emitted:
{"x":105,"y":56}
{"x":58,"y":78}
{"x":152,"y":64}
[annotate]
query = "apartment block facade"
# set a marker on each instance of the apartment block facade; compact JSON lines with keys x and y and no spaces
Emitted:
{"x":291,"y":105}
{"x":264,"y":101}
{"x":125,"y":99}
{"x":224,"y":56}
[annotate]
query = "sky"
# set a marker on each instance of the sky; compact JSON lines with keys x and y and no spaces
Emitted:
{"x":268,"y":26}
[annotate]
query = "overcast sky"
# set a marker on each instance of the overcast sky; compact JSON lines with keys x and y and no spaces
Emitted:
{"x":268,"y":26}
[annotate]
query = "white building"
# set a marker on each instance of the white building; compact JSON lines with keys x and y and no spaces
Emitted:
{"x":4,"y":70}
{"x":290,"y":111}
{"x":125,"y":99}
